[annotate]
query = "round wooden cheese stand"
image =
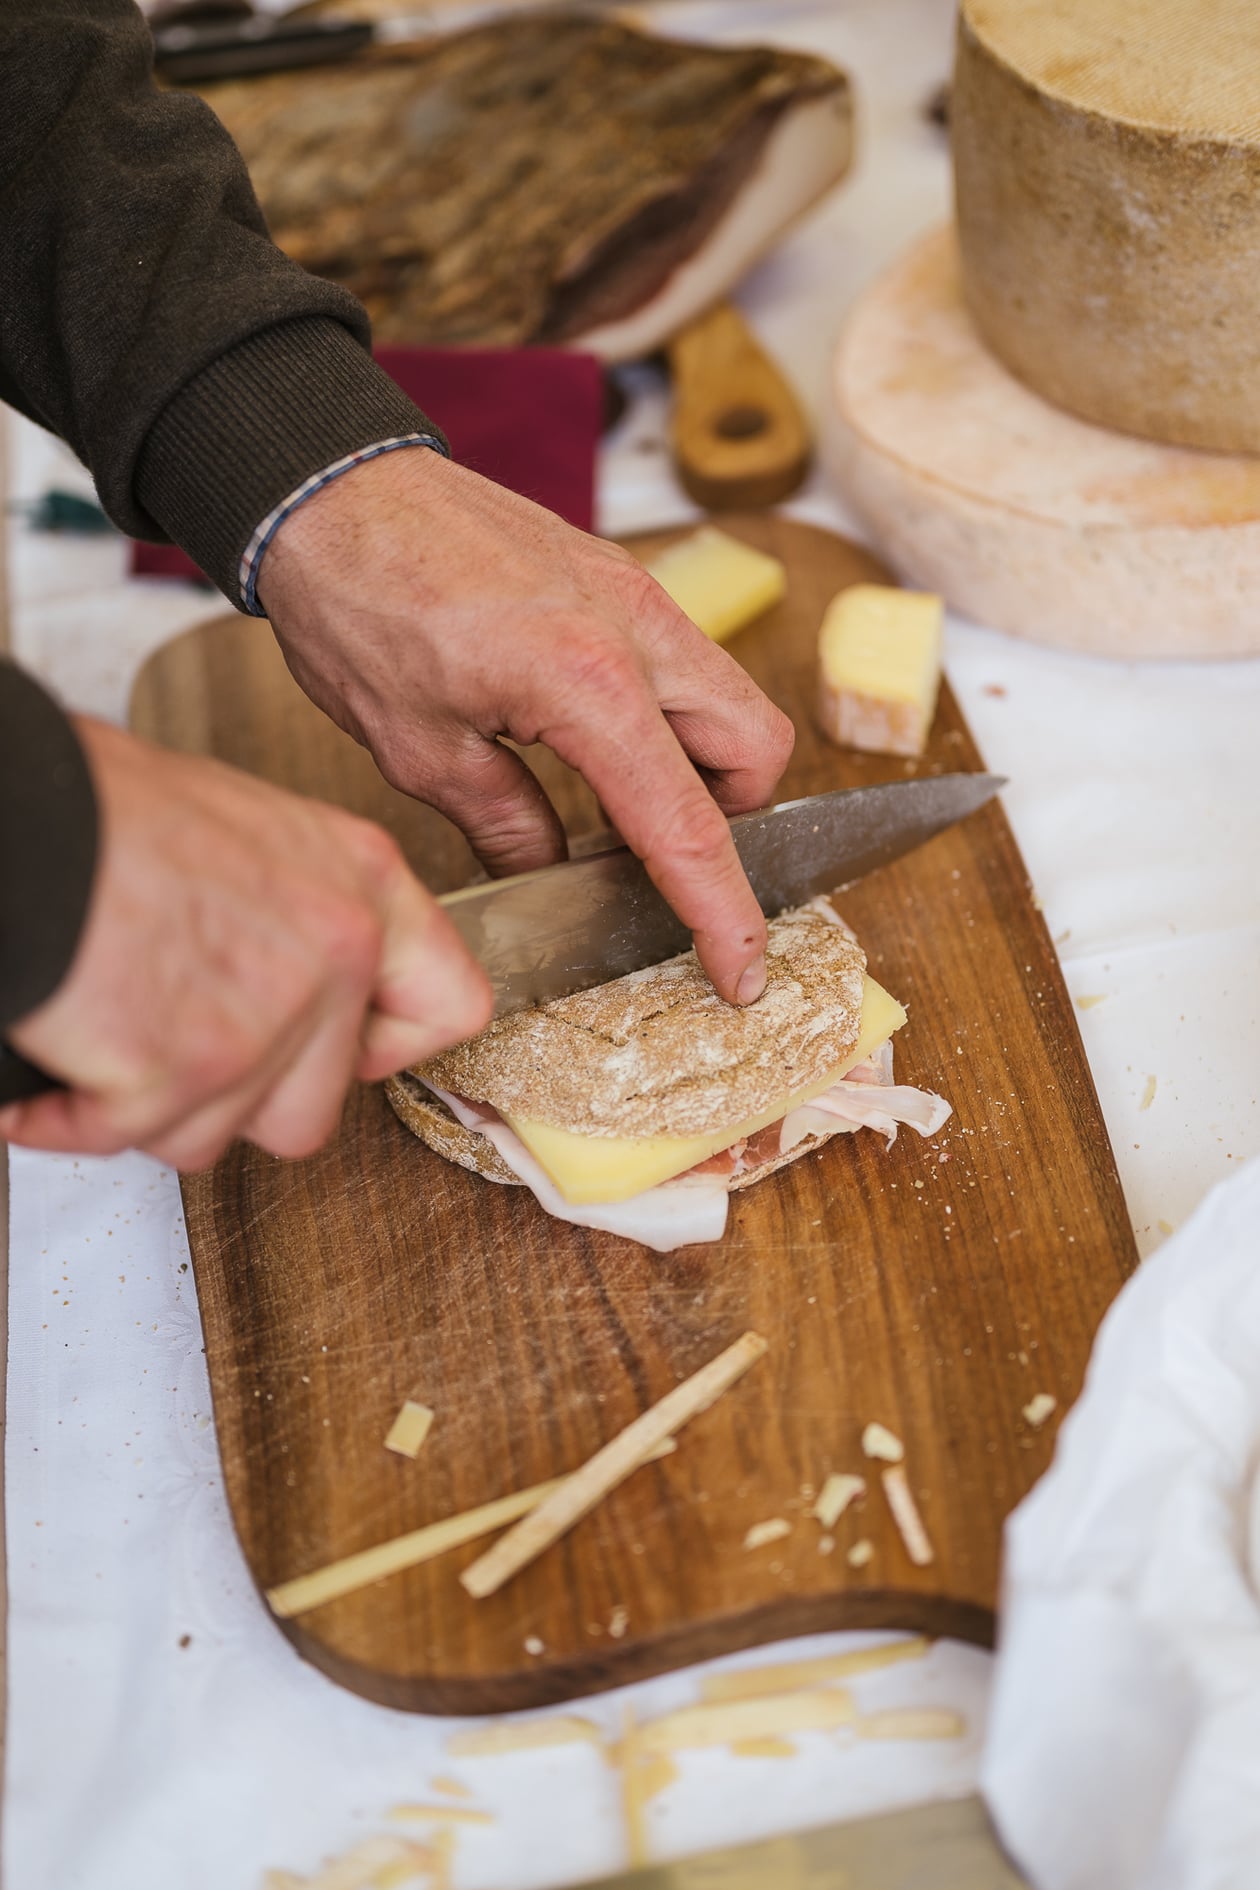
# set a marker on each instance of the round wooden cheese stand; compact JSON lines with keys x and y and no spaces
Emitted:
{"x":1022,"y":516}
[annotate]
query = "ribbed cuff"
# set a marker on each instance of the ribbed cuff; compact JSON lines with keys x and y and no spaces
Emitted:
{"x":48,"y":839}
{"x":257,"y":423}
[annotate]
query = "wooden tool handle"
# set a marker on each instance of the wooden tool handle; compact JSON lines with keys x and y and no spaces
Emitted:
{"x":738,"y":435}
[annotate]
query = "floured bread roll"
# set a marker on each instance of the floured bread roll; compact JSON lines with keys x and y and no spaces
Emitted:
{"x":652,"y":1086}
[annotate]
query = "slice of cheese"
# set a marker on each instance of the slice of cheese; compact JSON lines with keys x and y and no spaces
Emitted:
{"x":589,"y":1168}
{"x":879,"y":668}
{"x":720,"y":582}
{"x":1107,"y":178}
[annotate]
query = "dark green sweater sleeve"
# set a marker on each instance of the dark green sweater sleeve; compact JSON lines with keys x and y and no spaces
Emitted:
{"x":145,"y":314}
{"x":48,"y":831}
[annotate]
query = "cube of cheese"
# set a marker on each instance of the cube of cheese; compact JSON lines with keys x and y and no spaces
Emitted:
{"x":720,"y":582}
{"x":879,"y":668}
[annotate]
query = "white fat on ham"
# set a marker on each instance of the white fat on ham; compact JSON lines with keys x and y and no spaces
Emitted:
{"x":680,"y":1213}
{"x":865,"y":1105}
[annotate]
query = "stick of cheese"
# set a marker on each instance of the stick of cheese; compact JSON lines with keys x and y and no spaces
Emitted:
{"x":351,"y":1572}
{"x":720,"y":582}
{"x":578,"y":1494}
{"x":879,"y":668}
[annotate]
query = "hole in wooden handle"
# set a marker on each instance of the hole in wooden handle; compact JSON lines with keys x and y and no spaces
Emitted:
{"x":741,"y":423}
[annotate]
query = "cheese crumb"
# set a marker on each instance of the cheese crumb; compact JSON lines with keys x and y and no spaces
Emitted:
{"x":860,"y":1554}
{"x":409,"y":1429}
{"x":1038,"y":1409}
{"x":763,"y":1532}
{"x":533,"y":1645}
{"x":838,"y":1492}
{"x":1148,"y":1094}
{"x":1087,"y":1001}
{"x":618,"y":1622}
{"x":879,"y":1442}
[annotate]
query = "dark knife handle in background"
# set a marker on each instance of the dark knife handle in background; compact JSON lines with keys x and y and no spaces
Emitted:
{"x":189,"y":53}
{"x":20,"y":1080}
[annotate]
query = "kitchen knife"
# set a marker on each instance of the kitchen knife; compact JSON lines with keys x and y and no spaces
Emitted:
{"x":563,"y":928}
{"x":947,"y":1846}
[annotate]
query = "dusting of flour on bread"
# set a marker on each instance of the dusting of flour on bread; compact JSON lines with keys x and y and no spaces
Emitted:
{"x":659,"y":1053}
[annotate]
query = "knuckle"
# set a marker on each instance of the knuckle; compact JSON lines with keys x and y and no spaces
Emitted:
{"x":351,"y":936}
{"x":780,"y":735}
{"x":376,"y":852}
{"x":691,"y":833}
{"x":600,"y":665}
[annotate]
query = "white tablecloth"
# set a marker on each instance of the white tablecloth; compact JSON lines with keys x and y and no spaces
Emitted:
{"x":160,"y":1730}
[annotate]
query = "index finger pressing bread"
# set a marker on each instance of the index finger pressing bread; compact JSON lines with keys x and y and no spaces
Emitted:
{"x":626,"y":751}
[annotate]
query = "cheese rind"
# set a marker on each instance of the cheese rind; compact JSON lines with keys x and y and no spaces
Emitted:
{"x":606,"y":1168}
{"x":1022,"y":516}
{"x":879,"y":668}
{"x":718,"y":581}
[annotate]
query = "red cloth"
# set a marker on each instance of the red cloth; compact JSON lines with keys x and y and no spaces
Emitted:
{"x":529,"y":418}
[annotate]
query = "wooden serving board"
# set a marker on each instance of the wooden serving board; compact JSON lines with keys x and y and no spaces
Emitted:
{"x":935,"y":1287}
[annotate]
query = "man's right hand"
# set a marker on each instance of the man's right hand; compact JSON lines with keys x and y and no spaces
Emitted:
{"x":247,"y":954}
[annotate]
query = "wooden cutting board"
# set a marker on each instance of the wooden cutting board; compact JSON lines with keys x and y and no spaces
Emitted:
{"x":936,"y":1287}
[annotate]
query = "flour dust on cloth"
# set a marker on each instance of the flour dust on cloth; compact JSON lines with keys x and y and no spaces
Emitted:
{"x":1124,"y":1744}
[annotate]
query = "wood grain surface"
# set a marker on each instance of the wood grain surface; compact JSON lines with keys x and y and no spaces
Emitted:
{"x":935,"y":1287}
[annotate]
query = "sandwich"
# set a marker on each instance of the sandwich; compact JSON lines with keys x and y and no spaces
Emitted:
{"x":640,"y":1105}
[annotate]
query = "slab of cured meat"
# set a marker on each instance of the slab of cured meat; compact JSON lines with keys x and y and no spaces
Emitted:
{"x":555,"y":178}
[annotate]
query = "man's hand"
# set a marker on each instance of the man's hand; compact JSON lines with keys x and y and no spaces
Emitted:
{"x":431,"y":613}
{"x":246,"y":954}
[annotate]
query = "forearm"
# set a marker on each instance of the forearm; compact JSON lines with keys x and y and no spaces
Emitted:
{"x":145,"y":314}
{"x":48,"y":838}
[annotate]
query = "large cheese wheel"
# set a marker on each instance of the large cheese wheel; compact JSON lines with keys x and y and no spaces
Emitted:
{"x":1107,"y":169}
{"x":1021,"y":515}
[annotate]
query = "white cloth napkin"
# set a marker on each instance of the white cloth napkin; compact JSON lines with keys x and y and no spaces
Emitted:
{"x":1124,"y":1742}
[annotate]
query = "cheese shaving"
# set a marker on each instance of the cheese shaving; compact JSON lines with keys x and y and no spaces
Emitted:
{"x":769,"y":1747}
{"x":764,"y":1532}
{"x":860,"y":1554}
{"x":1038,"y":1409}
{"x":440,"y":1814}
{"x":696,"y":1728}
{"x":560,"y":1729}
{"x":409,"y":1429}
{"x":451,"y":1786}
{"x":911,"y":1722}
{"x":782,"y":1677}
{"x":377,"y":1863}
{"x":877,"y":1441}
{"x":905,"y":1513}
{"x":305,"y":1592}
{"x":580,"y":1493}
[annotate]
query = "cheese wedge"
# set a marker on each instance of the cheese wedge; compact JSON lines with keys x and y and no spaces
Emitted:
{"x":720,"y":582}
{"x":605,"y":1168}
{"x":879,"y":668}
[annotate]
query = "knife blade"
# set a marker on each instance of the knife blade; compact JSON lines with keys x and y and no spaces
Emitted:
{"x":561,"y":929}
{"x":946,"y":1846}
{"x":564,"y":928}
